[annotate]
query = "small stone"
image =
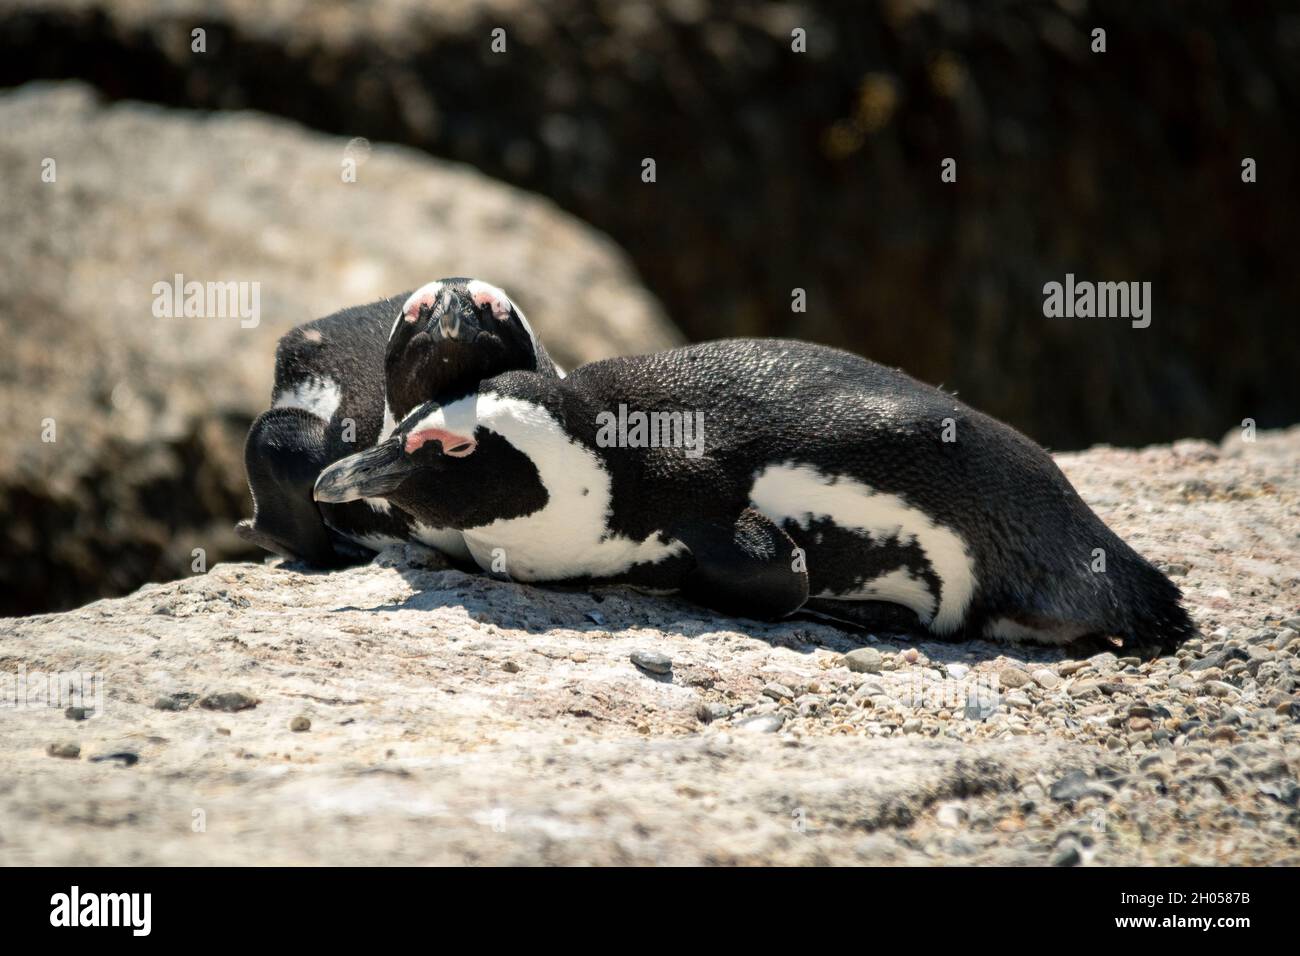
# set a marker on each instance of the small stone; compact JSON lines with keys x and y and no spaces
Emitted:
{"x":950,"y":815}
{"x":865,"y":660}
{"x":1046,"y":679}
{"x":179,"y":701}
{"x":1076,"y":785}
{"x":510,"y":667}
{"x":1013,"y":677}
{"x":65,"y":750}
{"x":300,"y":724}
{"x":1066,"y":668}
{"x":765,"y":724}
{"x":1085,"y":689}
{"x":958,"y":671}
{"x":1067,"y":854}
{"x":229,"y":701}
{"x":912,"y":725}
{"x":596,"y":618}
{"x":76,"y":713}
{"x":652,"y":661}
{"x":778,"y":691}
{"x":1223,"y":735}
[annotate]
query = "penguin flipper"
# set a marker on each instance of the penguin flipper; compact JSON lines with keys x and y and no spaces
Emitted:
{"x":751,"y":568}
{"x":284,"y":454}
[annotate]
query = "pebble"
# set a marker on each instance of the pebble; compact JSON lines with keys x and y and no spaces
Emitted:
{"x":180,"y":701}
{"x":510,"y":667}
{"x":1013,"y":677}
{"x":1067,"y":668}
{"x":65,"y":750}
{"x":300,"y":724}
{"x":766,"y":724}
{"x":958,"y":671}
{"x":864,"y":660}
{"x":950,"y":815}
{"x":76,"y":713}
{"x":1085,"y":689}
{"x":1046,"y":679}
{"x":1076,"y":785}
{"x":1067,"y":854}
{"x":229,"y":701}
{"x":652,"y":661}
{"x":778,"y":691}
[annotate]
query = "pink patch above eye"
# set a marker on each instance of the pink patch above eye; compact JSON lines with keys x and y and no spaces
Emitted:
{"x":457,"y":446}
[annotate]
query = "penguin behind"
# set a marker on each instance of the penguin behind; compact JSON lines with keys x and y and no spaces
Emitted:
{"x":824,"y":484}
{"x":342,"y":381}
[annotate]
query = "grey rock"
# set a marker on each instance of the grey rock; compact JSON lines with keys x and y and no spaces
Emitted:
{"x":864,"y":660}
{"x":652,"y":661}
{"x":228,"y":701}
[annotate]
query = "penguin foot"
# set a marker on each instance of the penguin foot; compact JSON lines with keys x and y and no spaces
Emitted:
{"x":872,"y":617}
{"x":750,"y":569}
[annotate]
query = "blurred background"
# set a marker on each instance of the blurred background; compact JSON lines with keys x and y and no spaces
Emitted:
{"x":776,"y":170}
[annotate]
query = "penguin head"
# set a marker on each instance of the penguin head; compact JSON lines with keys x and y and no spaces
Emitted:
{"x":452,"y":334}
{"x":447,"y":466}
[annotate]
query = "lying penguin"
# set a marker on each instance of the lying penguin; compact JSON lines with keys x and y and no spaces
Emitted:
{"x":824,"y":482}
{"x":342,"y":382}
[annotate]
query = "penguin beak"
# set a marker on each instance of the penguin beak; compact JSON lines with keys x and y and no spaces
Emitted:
{"x":368,"y":474}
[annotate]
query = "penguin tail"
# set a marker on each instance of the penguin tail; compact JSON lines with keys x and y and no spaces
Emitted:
{"x":1146,"y":610}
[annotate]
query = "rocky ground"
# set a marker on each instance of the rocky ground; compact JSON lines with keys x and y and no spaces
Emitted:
{"x":402,"y":713}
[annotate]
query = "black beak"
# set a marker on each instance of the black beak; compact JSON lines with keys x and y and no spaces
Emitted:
{"x":368,"y":474}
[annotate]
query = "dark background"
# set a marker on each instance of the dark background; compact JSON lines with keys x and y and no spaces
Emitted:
{"x":821,"y":171}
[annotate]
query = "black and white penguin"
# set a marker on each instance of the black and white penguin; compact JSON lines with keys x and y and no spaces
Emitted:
{"x":807,"y":478}
{"x":342,"y":382}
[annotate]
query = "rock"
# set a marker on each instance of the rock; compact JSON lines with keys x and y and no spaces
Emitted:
{"x":180,"y":701}
{"x":1046,"y":679}
{"x":300,"y":724}
{"x":68,"y":751}
{"x":229,"y":701}
{"x":1013,"y":677}
{"x":150,"y":414}
{"x":1067,"y":854}
{"x":764,"y":724}
{"x":510,"y":667}
{"x":950,"y":814}
{"x":76,"y":713}
{"x":1077,"y":785}
{"x":864,"y":660}
{"x":778,"y":691}
{"x":652,"y":661}
{"x":1085,"y":689}
{"x":957,"y":671}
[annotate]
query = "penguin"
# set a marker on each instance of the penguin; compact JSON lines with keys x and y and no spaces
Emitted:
{"x":813,"y":481}
{"x":342,"y":382}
